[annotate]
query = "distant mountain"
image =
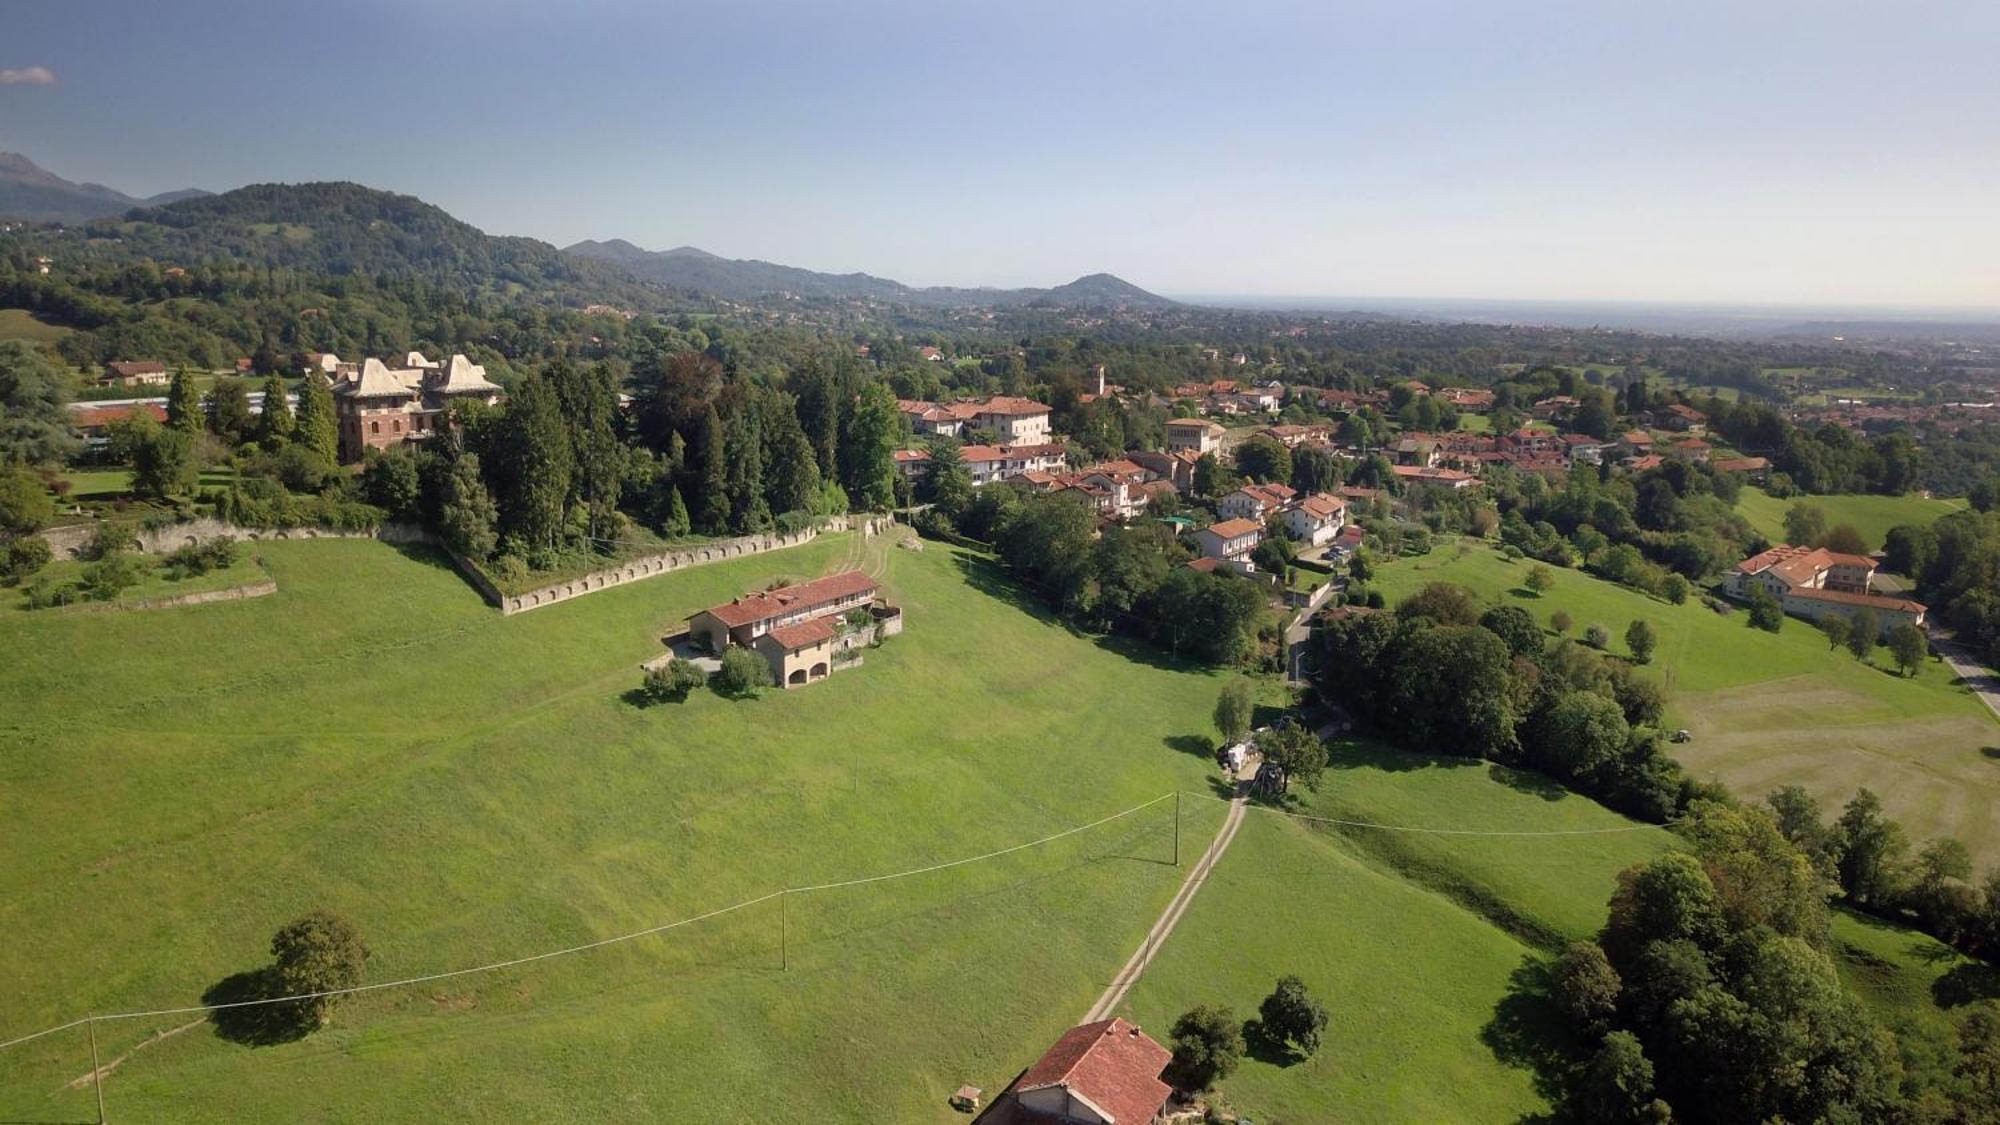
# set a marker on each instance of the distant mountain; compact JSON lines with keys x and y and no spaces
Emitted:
{"x":748,"y":279}
{"x":345,"y":229}
{"x":29,"y":191}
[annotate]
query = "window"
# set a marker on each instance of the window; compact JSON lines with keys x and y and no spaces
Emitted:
{"x":374,"y":427}
{"x":397,"y":425}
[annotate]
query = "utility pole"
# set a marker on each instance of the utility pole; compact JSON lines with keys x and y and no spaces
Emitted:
{"x":96,"y":1074}
{"x":1177,"y":828}
{"x":784,"y":953}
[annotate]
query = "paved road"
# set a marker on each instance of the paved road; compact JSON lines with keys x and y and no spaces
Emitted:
{"x":1134,"y":968}
{"x":1977,"y":676}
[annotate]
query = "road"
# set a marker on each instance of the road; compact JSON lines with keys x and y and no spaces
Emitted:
{"x":1156,"y":937}
{"x":1975,"y":674}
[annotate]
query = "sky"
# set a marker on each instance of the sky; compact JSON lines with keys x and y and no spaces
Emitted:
{"x":1746,"y":151}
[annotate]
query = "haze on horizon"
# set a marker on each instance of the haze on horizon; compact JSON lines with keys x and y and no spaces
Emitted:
{"x":1832,"y":153}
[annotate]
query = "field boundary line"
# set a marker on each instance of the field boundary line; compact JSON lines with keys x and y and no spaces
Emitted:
{"x":600,"y":943}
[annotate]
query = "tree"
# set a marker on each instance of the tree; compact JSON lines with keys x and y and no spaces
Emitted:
{"x":1639,"y":638}
{"x":1233,"y":708}
{"x":675,"y":523}
{"x":1908,"y":549}
{"x":1514,"y":625}
{"x":1863,"y":629}
{"x":1844,"y":539}
{"x":1765,"y":612}
{"x":1449,"y":686}
{"x":1207,"y":1045}
{"x":390,"y":482}
{"x":1291,"y":1017}
{"x":868,"y":449}
{"x":532,"y":475}
{"x":184,"y":404}
{"x":1873,"y":852}
{"x":1541,"y":579}
{"x":1264,"y":459}
{"x":1560,"y":621}
{"x":1585,"y":987}
{"x":314,"y":953}
{"x":163,"y":460}
{"x":1617,"y":1086}
{"x":1805,"y":524}
{"x":709,"y":474}
{"x":1799,"y":821}
{"x":947,"y":483}
{"x":1667,"y":899}
{"x":229,"y":410}
{"x":467,"y":514}
{"x":1596,"y":636}
{"x":1836,"y":626}
{"x":1675,"y":588}
{"x":743,"y":456}
{"x":35,"y":425}
{"x":1212,"y":478}
{"x":1581,"y":732}
{"x":1295,"y":750}
{"x":742,"y":672}
{"x":25,"y":506}
{"x":1909,"y":646}
{"x":672,"y":681}
{"x":22,"y":558}
{"x":1443,"y":602}
{"x":315,"y":427}
{"x":275,"y":426}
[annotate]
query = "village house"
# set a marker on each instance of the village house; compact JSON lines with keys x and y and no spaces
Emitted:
{"x":1292,"y":436}
{"x":1415,"y":449}
{"x":1814,"y":583}
{"x":912,"y":464}
{"x":1635,"y":443}
{"x":1175,"y":468}
{"x":1692,"y":449}
{"x":135,"y":373}
{"x":91,"y":419}
{"x":1317,"y":519}
{"x":1255,"y":502}
{"x":1555,"y":406}
{"x":1009,"y":419}
{"x":1104,"y":1073}
{"x":1193,"y":435}
{"x":1436,"y":478}
{"x":1756,"y":468}
{"x":1681,"y":418}
{"x":989,"y":463}
{"x":1230,"y":542}
{"x":1474,"y":400}
{"x":381,"y":406}
{"x":1582,"y":449}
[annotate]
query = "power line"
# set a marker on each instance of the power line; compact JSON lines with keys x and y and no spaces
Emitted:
{"x":598,"y":944}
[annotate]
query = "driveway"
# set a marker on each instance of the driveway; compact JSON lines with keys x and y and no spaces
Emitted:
{"x":1975,"y":673}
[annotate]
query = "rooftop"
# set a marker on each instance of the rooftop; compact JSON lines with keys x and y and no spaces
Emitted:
{"x":764,"y":605}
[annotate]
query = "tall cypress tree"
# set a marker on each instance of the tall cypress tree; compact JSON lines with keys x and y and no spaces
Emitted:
{"x":536,"y":463}
{"x":708,"y":475}
{"x":743,"y":454}
{"x":315,"y":428}
{"x":868,"y":447}
{"x":183,"y":404}
{"x":275,"y":426}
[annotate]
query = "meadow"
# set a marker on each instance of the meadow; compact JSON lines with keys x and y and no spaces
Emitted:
{"x":20,"y":324}
{"x":1870,"y":515}
{"x":1767,"y":709}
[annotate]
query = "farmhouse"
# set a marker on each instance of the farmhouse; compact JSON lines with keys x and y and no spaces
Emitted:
{"x":1683,"y":418}
{"x":746,"y":618}
{"x":1230,"y":543}
{"x":1316,"y":519}
{"x":135,"y":373}
{"x":1104,"y":1073}
{"x":798,"y":654}
{"x":381,"y":406}
{"x":1193,"y":435}
{"x":1438,"y":478}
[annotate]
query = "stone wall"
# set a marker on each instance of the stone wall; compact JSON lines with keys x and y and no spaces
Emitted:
{"x":634,"y":570}
{"x":233,"y":594}
{"x":69,"y":542}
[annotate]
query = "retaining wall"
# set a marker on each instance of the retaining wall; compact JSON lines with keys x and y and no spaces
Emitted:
{"x":69,"y":542}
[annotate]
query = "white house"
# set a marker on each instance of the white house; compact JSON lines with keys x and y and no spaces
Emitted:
{"x":1230,"y":542}
{"x":1255,"y":501}
{"x":1317,"y":519}
{"x":1194,"y":435}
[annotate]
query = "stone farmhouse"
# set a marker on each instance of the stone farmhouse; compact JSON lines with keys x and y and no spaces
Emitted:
{"x":1814,"y":583}
{"x":1014,"y":421}
{"x":135,"y":373}
{"x":1103,"y":1073}
{"x":798,"y":629}
{"x":378,"y":406}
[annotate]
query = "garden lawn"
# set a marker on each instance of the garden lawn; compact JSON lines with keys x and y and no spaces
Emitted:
{"x":1870,"y":515}
{"x":1773,"y":709}
{"x":468,"y":787}
{"x":153,"y":585}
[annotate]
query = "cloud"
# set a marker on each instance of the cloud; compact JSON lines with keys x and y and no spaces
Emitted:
{"x":27,"y":76}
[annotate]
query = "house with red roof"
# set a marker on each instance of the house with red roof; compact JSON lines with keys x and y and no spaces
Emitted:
{"x":1316,"y":519}
{"x":1814,"y":583}
{"x":1103,"y":1073}
{"x":1230,"y":543}
{"x":135,"y":373}
{"x":1256,"y":502}
{"x":742,"y":620}
{"x":1193,"y":435}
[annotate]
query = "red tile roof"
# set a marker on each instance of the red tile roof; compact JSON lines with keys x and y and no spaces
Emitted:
{"x":91,"y":417}
{"x":802,"y":635}
{"x":1870,"y":601}
{"x":1323,"y":506}
{"x":767,"y":604}
{"x":1111,"y":1064}
{"x":1230,"y":529}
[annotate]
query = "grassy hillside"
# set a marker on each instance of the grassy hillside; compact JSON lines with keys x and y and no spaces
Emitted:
{"x":1872,"y":516}
{"x":20,"y":324}
{"x":1767,"y":710}
{"x":1414,"y":941}
{"x":469,"y":787}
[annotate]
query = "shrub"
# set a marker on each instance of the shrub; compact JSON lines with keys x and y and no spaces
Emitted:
{"x":24,"y":556}
{"x":24,"y":503}
{"x":110,"y":539}
{"x":743,"y":672}
{"x":1596,"y":636}
{"x":106,"y":578}
{"x":1675,"y":588}
{"x":1560,"y":621}
{"x":200,"y":558}
{"x":672,"y":681}
{"x":46,"y":593}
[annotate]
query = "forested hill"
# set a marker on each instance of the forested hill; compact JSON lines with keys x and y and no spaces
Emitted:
{"x":346,"y":229}
{"x":748,"y":279}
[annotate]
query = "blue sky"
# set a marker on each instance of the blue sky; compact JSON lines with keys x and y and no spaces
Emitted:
{"x":1743,"y":151}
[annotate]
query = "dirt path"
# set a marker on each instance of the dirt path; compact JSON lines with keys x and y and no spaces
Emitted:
{"x":84,"y":1080}
{"x":1128,"y":976}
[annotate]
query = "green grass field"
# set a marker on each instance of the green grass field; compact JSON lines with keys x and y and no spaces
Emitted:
{"x":1772,"y":709}
{"x":20,"y":324}
{"x":1872,"y":516}
{"x":153,"y":586}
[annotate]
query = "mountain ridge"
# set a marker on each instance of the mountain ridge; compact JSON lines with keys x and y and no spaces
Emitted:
{"x":31,"y":192}
{"x":749,"y":279}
